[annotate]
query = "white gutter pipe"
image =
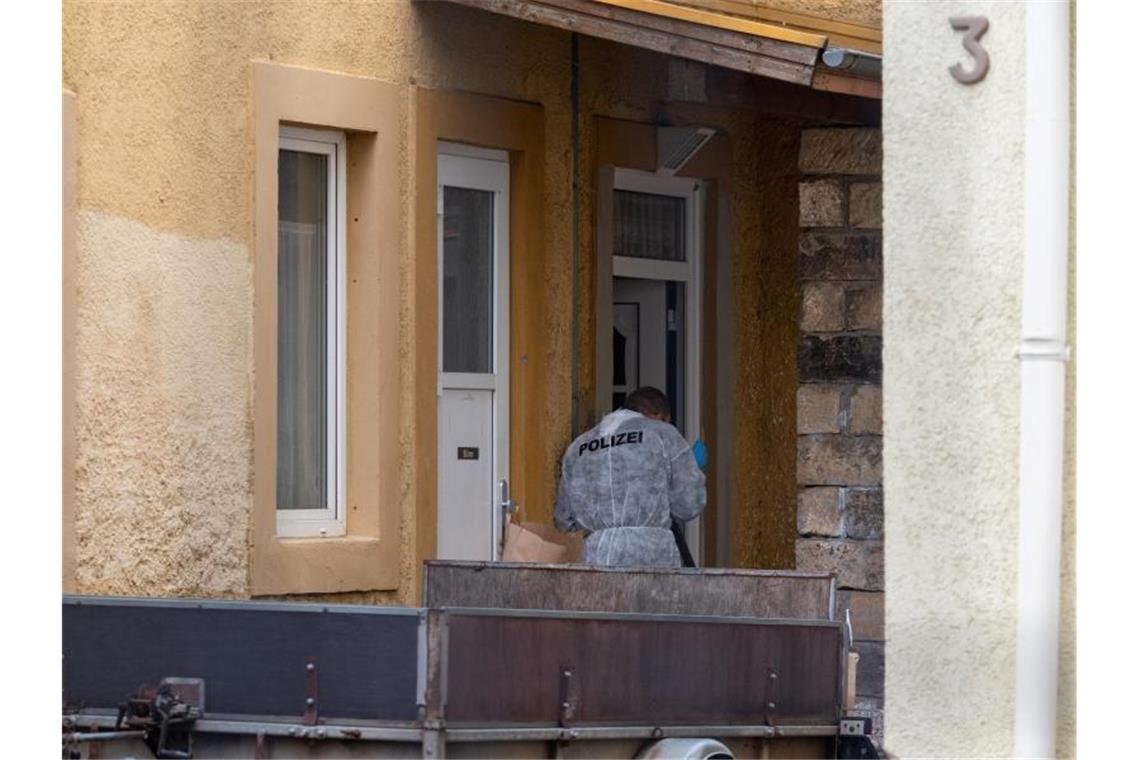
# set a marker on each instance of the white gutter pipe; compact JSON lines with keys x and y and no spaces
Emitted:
{"x":1043,"y":355}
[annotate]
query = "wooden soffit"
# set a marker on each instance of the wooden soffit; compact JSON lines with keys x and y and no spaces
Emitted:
{"x":852,"y":24}
{"x":737,"y":34}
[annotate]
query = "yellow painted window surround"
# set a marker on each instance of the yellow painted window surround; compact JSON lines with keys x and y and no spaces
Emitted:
{"x":370,"y":113}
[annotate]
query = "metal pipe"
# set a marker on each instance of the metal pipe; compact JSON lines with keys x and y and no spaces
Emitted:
{"x":410,"y":733}
{"x":476,"y":733}
{"x":1043,"y":354}
{"x":640,"y":617}
{"x":595,"y":733}
{"x":854,"y":61}
{"x":575,"y":233}
{"x":102,"y":736}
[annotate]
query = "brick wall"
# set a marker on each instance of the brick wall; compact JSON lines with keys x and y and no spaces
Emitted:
{"x":839,"y":417}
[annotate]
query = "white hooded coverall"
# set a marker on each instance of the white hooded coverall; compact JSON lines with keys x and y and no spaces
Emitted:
{"x":621,"y":481}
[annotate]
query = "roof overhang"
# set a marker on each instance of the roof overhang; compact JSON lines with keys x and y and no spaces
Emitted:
{"x":779,"y":45}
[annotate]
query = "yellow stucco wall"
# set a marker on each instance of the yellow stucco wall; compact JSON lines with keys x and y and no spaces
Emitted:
{"x":165,"y":197}
{"x":953,"y":249}
{"x":164,"y":430}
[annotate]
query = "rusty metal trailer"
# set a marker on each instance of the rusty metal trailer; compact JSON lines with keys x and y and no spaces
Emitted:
{"x":502,"y":661}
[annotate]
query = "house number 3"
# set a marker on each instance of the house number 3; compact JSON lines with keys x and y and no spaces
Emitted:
{"x":974,"y":27}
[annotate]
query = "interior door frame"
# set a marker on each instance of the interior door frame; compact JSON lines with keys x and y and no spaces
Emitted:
{"x":690,"y":272}
{"x":486,"y":169}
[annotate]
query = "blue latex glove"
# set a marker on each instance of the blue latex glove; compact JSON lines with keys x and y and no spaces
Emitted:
{"x":700,"y":453}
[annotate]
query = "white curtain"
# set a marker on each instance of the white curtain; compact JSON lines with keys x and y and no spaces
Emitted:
{"x":302,"y":366}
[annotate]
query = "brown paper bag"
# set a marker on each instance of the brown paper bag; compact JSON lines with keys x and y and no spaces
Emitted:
{"x":540,"y":543}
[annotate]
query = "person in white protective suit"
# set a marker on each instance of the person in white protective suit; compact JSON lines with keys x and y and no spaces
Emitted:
{"x":625,"y":479}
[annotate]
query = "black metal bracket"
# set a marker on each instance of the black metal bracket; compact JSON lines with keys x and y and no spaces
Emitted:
{"x":854,"y":740}
{"x":311,"y":693}
{"x":568,"y":696}
{"x":770,"y":692}
{"x":166,"y":716}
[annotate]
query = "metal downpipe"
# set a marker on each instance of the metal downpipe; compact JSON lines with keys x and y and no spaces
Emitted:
{"x":1043,"y":354}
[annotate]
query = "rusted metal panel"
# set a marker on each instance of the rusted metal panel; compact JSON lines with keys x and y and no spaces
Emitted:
{"x":566,"y":669}
{"x":722,"y":592}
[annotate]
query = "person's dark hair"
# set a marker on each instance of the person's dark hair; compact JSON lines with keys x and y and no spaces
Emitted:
{"x":649,"y":401}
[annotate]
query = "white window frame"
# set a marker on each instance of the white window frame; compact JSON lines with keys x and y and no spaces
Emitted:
{"x":328,"y":521}
{"x":690,"y":272}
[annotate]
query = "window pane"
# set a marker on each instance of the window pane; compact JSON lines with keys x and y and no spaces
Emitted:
{"x":468,"y":267}
{"x":648,"y":226}
{"x":302,"y":330}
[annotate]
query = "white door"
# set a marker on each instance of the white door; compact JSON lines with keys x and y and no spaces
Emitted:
{"x":474,"y":350}
{"x":654,"y":288}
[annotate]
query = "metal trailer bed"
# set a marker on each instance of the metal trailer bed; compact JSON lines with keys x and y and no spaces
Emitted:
{"x":503,"y":661}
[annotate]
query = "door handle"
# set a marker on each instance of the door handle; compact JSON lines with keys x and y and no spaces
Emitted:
{"x":508,"y":506}
{"x":506,"y":503}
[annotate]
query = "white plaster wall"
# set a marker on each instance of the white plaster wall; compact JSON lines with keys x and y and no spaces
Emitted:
{"x":953,"y":246}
